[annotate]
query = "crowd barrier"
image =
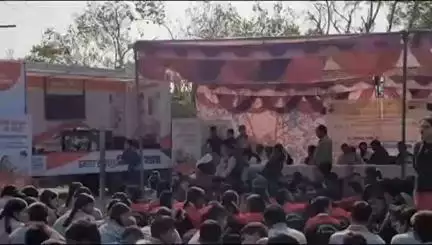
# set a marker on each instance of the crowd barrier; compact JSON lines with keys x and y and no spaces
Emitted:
{"x":388,"y":171}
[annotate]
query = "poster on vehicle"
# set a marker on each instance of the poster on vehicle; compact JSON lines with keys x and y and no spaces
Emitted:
{"x":187,"y":139}
{"x":15,"y":148}
{"x":12,"y":88}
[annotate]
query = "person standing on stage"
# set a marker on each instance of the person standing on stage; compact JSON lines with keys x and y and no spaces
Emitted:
{"x":423,"y":167}
{"x":324,"y":149}
{"x":242,"y":138}
{"x":132,"y":159}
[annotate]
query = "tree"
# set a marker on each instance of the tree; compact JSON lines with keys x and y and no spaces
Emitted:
{"x":412,"y":14}
{"x":208,"y":20}
{"x":100,"y":36}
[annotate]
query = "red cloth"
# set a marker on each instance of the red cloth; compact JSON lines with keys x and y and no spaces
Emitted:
{"x":294,"y":207}
{"x":340,"y":213}
{"x":140,"y":207}
{"x":320,"y":219}
{"x":245,"y":218}
{"x":423,"y":200}
{"x":348,"y":203}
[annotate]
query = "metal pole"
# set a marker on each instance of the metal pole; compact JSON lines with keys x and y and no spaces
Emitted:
{"x":102,"y":166}
{"x":139,"y":121}
{"x":405,"y":35}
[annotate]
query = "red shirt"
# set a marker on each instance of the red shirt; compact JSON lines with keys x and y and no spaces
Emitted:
{"x":140,"y":207}
{"x":320,"y":219}
{"x":294,"y":207}
{"x":348,"y":202}
{"x":245,"y":218}
{"x":193,"y":213}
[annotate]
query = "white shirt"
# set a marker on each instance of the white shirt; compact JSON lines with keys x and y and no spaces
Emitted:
{"x":405,"y":238}
{"x":225,"y":167}
{"x":282,"y":228}
{"x":371,"y":238}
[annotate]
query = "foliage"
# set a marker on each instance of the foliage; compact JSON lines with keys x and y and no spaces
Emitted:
{"x":100,"y":36}
{"x":209,"y":20}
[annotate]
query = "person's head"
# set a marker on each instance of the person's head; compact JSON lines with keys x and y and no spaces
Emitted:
{"x":36,"y":234}
{"x":196,"y":196}
{"x":311,"y":149}
{"x":321,"y":131}
{"x":71,"y":191}
{"x":213,"y":131}
{"x":402,"y":220}
{"x":252,"y":232}
{"x":83,"y":203}
{"x":274,"y":214}
{"x":163,"y":228}
{"x":218,"y":213}
{"x":242,"y":129}
{"x":14,"y":209}
{"x":230,"y":133}
{"x":38,"y":212}
{"x":255,"y":203}
{"x":123,"y":197}
{"x":83,"y":232}
{"x":363,"y":146}
{"x":319,"y":205}
{"x":131,"y":144}
{"x":375,"y":145}
{"x":230,"y":200}
{"x":345,"y":148}
{"x":9,"y":191}
{"x":354,"y":239}
{"x":426,"y":129}
{"x":282,"y":239}
{"x":210,"y":232}
{"x":278,"y":150}
{"x":422,"y":222}
{"x":30,"y":200}
{"x":401,"y":146}
{"x":120,"y":213}
{"x":30,"y":191}
{"x":166,"y":199}
{"x":83,"y":190}
{"x":361,"y":213}
{"x":49,"y":198}
{"x":132,"y":234}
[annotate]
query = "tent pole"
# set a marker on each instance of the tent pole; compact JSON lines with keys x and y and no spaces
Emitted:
{"x":405,"y":35}
{"x":139,"y":122}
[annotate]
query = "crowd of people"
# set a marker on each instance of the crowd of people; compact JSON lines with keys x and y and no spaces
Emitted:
{"x":221,"y":203}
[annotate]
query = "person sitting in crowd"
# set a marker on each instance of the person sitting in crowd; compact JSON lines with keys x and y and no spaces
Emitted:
{"x":82,"y":209}
{"x":50,"y":199}
{"x":274,"y":217}
{"x":73,"y":186}
{"x":30,"y":191}
{"x":38,"y":216}
{"x":364,"y":152}
{"x":253,"y":232}
{"x":8,"y":192}
{"x":403,"y":226}
{"x":422,"y":222}
{"x":131,"y":235}
{"x":352,"y":238}
{"x":409,"y":157}
{"x":83,"y":231}
{"x":349,"y":156}
{"x":380,"y":155}
{"x":214,"y":141}
{"x":119,"y":219}
{"x":11,"y":218}
{"x":360,"y":215}
{"x":163,"y":231}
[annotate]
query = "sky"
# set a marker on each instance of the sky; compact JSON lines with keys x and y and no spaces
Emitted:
{"x":33,"y":17}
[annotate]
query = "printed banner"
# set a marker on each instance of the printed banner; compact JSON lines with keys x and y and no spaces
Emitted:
{"x":15,"y":149}
{"x":187,"y":139}
{"x":352,"y":122}
{"x":12,"y":88}
{"x":66,"y":163}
